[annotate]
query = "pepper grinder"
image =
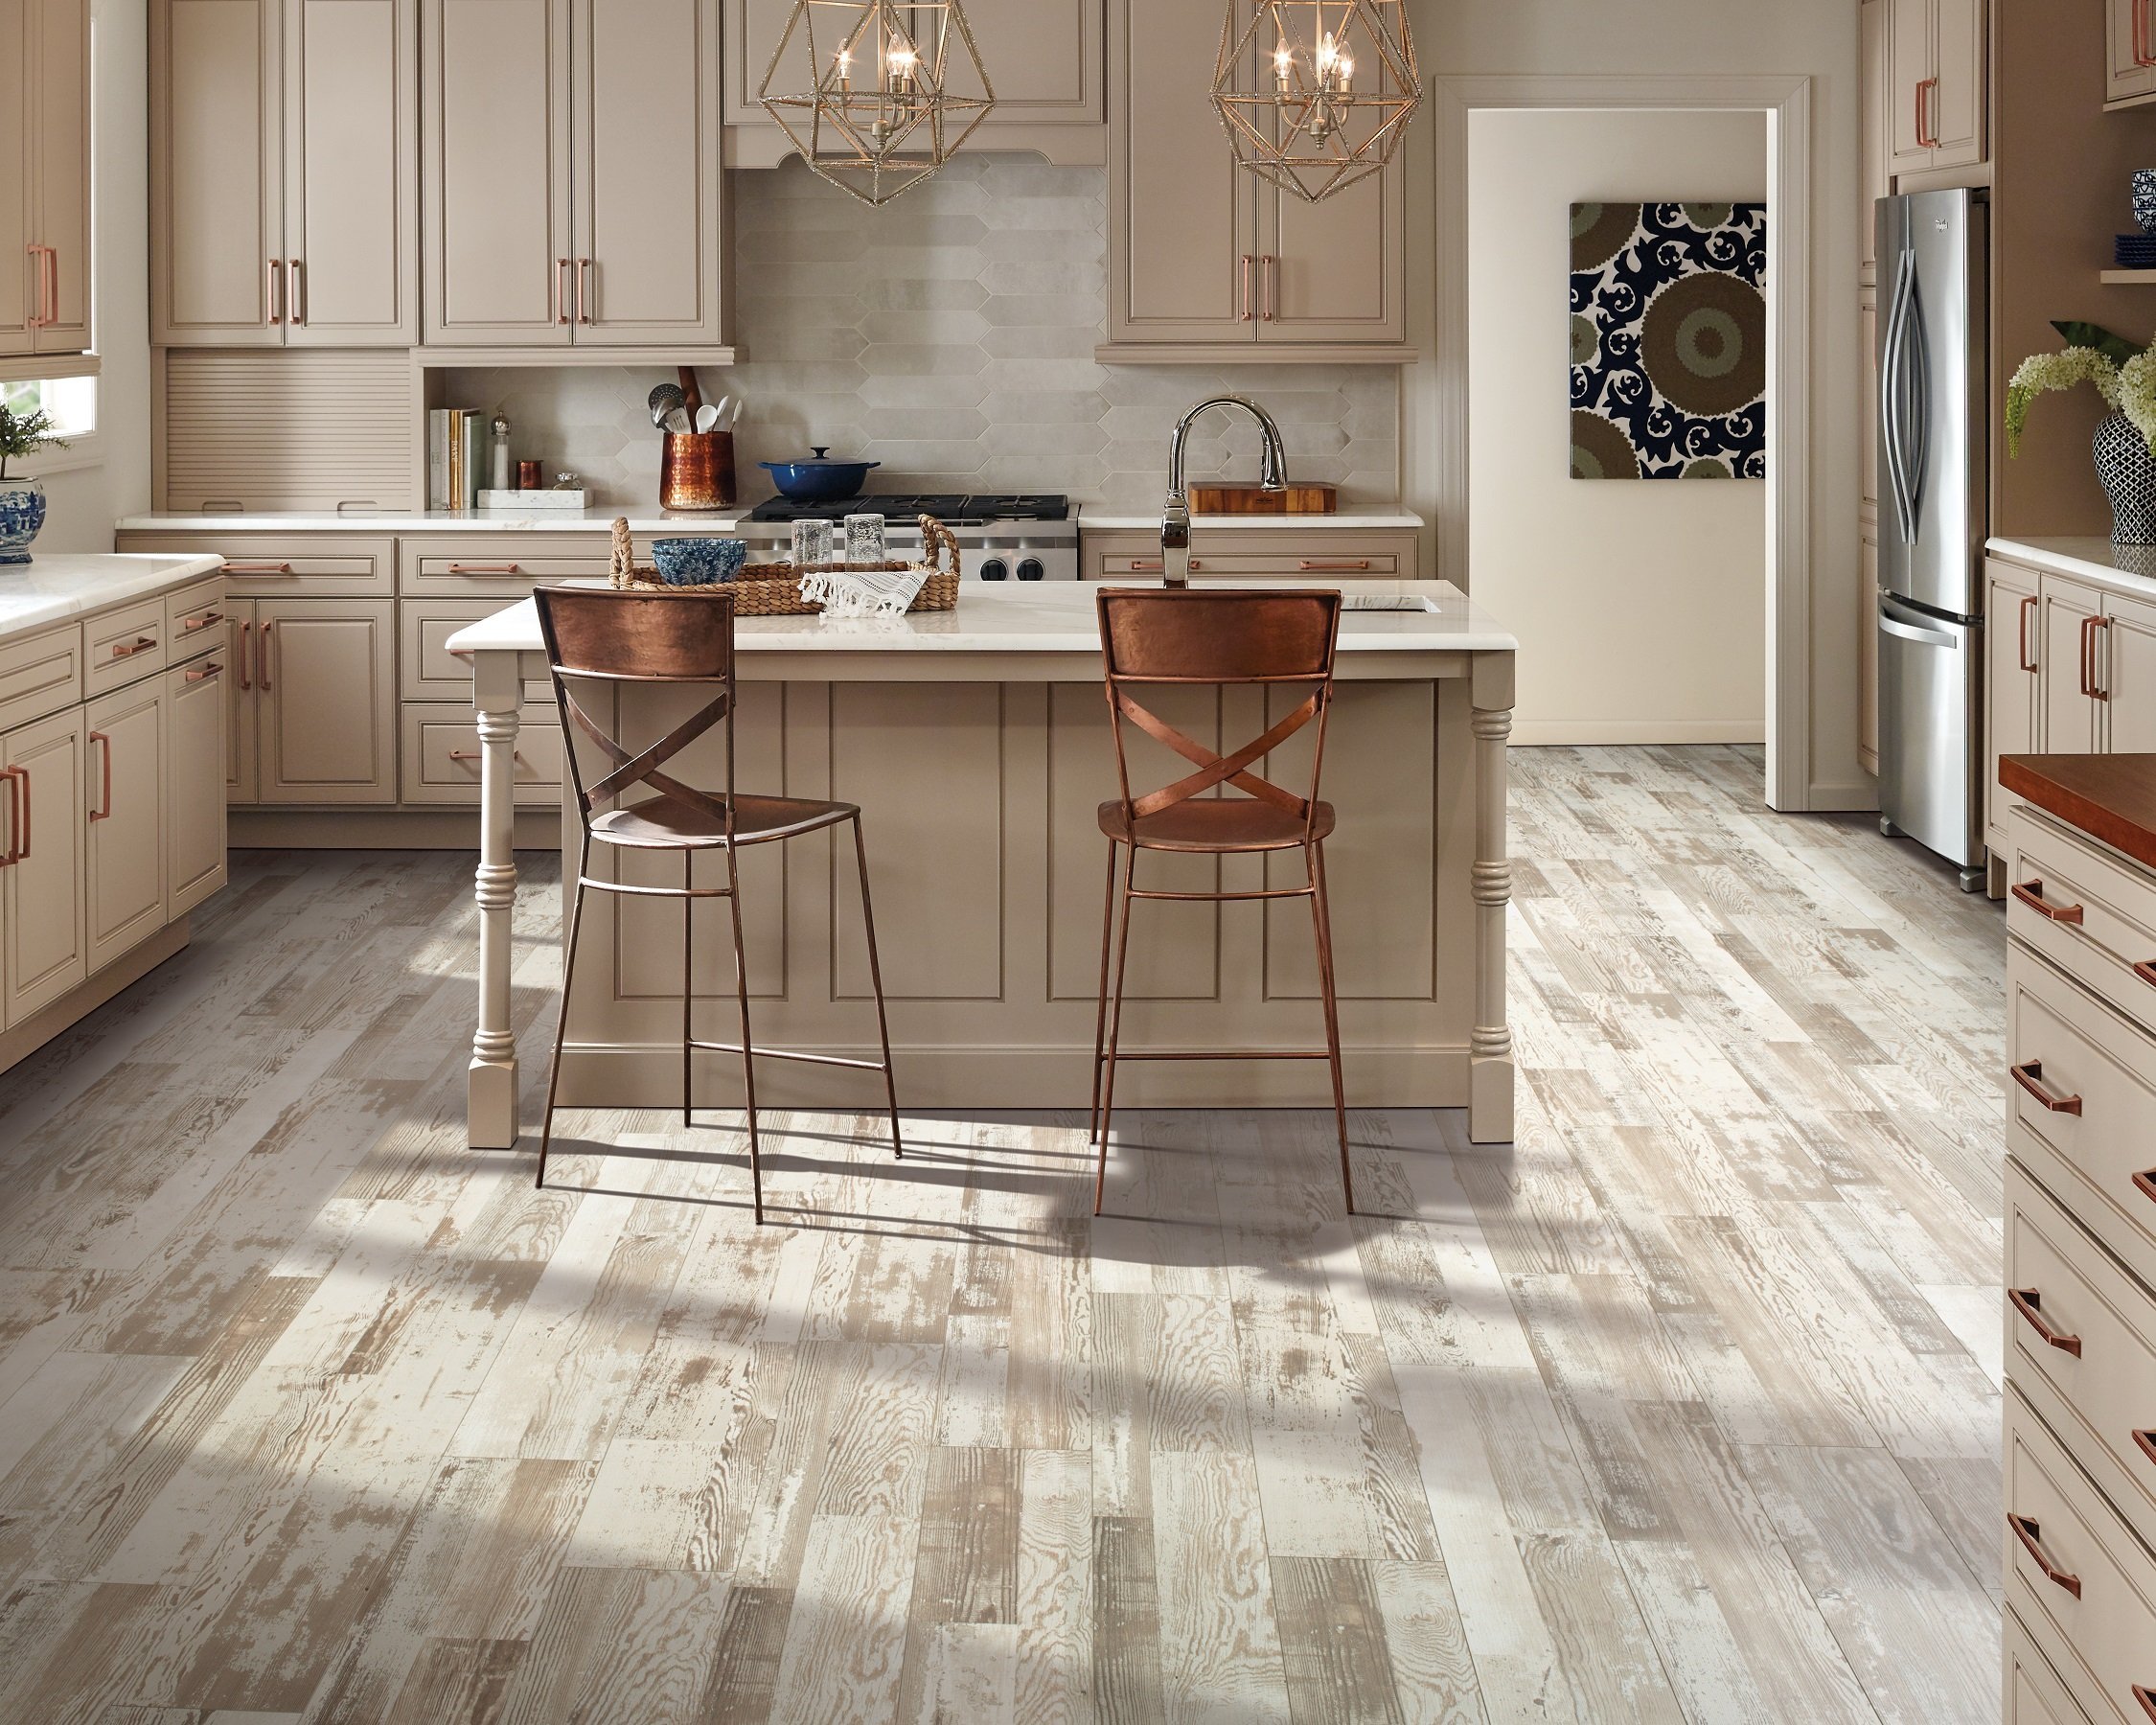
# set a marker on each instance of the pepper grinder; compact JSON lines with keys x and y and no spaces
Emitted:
{"x":501,"y":451}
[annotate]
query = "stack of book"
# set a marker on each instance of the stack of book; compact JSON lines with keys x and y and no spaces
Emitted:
{"x":457,"y":455}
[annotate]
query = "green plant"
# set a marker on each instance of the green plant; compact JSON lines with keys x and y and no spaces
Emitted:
{"x":2124,"y":376}
{"x":25,"y":434}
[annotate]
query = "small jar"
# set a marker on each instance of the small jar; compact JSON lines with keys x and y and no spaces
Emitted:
{"x":528,"y":475}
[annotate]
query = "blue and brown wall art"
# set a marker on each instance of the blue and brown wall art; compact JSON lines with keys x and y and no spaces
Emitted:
{"x":1670,"y":342}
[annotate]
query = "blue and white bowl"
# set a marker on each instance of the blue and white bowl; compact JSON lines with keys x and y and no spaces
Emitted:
{"x":699,"y":562}
{"x":2145,"y":199}
{"x":22,"y":512}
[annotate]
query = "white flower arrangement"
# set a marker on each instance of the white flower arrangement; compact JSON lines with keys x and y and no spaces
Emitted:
{"x":2125,"y":376}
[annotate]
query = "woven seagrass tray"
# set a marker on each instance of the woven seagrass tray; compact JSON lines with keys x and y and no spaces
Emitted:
{"x":772,"y":590}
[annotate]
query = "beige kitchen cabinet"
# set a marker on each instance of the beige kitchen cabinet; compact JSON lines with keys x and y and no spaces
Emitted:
{"x":571,"y":173}
{"x":1208,"y":261}
{"x":325,"y":687}
{"x":1043,"y":61}
{"x":197,"y":695}
{"x":242,"y":717}
{"x":1875,"y":166}
{"x":44,"y":942}
{"x":44,"y":176}
{"x":2126,"y":667}
{"x":1935,"y":67}
{"x":1313,"y":553}
{"x":2012,"y":689}
{"x":284,"y":172}
{"x":2070,"y":615}
{"x":1868,"y":651}
{"x":2129,"y":77}
{"x":124,"y":822}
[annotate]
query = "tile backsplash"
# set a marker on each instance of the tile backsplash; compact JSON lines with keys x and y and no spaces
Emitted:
{"x":949,"y":335}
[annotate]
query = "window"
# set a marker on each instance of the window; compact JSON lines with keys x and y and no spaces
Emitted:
{"x":72,"y":401}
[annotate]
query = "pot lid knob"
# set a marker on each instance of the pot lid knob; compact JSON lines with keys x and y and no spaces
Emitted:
{"x":820,"y":450}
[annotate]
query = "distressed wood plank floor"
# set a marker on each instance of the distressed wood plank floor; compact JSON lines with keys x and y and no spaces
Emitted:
{"x":1683,"y":1408}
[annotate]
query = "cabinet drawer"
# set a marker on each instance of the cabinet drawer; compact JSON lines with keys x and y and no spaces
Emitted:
{"x":428,"y":670}
{"x":440,"y":755}
{"x":2034,"y":1694}
{"x":500,"y":562}
{"x":1309,"y":554}
{"x":2095,"y":1383}
{"x":2096,"y":1608}
{"x":40,"y":674}
{"x":2082,"y":1114}
{"x":324,"y":564}
{"x":119,"y":647}
{"x":193,"y":620}
{"x":2089,"y":911}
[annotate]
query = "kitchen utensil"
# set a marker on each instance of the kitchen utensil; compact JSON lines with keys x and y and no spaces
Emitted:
{"x":707,"y":418}
{"x":1255,"y":500}
{"x":733,"y":413}
{"x":819,"y":480}
{"x":677,"y":423}
{"x":663,"y":400}
{"x":696,"y":470}
{"x":692,"y":392}
{"x":699,"y":562}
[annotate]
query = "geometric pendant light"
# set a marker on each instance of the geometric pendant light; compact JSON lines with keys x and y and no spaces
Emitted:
{"x":875,"y":94}
{"x":1316,"y":94}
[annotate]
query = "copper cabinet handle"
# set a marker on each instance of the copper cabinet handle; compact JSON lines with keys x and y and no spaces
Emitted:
{"x":2146,"y":1184}
{"x":51,"y":266}
{"x":1923,"y":109}
{"x":22,"y":838}
{"x":2147,"y":972}
{"x":298,"y":293}
{"x":1248,"y":262}
{"x":261,"y":655}
{"x":586,"y":286}
{"x":1333,"y":563}
{"x":2027,"y":664}
{"x":2029,"y":1302}
{"x":276,"y":291}
{"x":1140,"y":565}
{"x":103,"y":810}
{"x":2026,"y":1530}
{"x":48,"y":287}
{"x":1268,"y":287}
{"x":2029,"y":1075}
{"x":2146,"y":1442}
{"x":16,"y":817}
{"x":128,"y":649}
{"x":245,"y":682}
{"x":464,"y":569}
{"x":37,"y":318}
{"x":2030,"y":893}
{"x":2143,"y":1693}
{"x":2141,"y":55}
{"x":477,"y":754}
{"x":204,"y":674}
{"x":258,"y":568}
{"x":562,"y":291}
{"x":2094,"y":624}
{"x":190,"y":625}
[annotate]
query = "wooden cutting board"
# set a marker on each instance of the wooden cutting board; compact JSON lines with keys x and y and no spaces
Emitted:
{"x":1255,"y":500}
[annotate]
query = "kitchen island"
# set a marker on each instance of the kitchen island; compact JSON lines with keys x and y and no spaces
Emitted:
{"x":976,"y":744}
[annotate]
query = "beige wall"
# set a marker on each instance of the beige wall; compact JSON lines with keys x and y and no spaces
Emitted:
{"x":82,"y":501}
{"x":1641,"y":607}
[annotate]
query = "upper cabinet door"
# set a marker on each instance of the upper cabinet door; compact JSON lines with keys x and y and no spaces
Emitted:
{"x":216,"y":203}
{"x":1182,"y":245}
{"x":647,"y":173}
{"x":1909,"y":95}
{"x":1955,"y":110}
{"x":2131,"y":71}
{"x":352,"y":172}
{"x":60,"y":199}
{"x":17,"y":261}
{"x":1333,"y":270}
{"x":495,"y":174}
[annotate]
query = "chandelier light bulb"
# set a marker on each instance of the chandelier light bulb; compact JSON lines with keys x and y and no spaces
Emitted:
{"x":1342,"y":88}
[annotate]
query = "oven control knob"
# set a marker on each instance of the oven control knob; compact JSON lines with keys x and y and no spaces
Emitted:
{"x":994,"y":569}
{"x":1029,"y":569}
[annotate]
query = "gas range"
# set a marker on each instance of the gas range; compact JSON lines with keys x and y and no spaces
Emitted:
{"x":1012,"y":536}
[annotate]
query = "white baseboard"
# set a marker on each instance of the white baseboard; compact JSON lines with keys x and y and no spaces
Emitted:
{"x":1589,"y":733}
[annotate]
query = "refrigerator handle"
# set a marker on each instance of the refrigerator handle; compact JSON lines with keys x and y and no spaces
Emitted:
{"x":1928,"y":638}
{"x":1890,"y":394}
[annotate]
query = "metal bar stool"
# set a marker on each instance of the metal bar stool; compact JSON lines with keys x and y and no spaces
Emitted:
{"x":1217,"y":639}
{"x":610,"y":636}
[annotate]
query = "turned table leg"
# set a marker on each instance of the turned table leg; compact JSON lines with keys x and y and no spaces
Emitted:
{"x":492,"y":1083}
{"x":1489,"y":1060}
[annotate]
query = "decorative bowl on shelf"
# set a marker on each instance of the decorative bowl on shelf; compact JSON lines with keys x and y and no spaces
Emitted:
{"x":698,"y":561}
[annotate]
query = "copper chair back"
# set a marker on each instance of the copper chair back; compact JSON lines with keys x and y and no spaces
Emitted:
{"x":1221,"y":637}
{"x":606,"y":636}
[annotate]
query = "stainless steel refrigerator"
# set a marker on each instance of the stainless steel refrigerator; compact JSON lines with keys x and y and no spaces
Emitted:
{"x":1933,"y":410}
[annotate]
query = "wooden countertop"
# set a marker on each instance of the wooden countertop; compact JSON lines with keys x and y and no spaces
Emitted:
{"x":2111,"y":798}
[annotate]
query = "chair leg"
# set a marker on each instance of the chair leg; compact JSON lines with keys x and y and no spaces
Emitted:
{"x":562,"y":1023}
{"x":1114,"y":1028}
{"x":688,"y":984}
{"x":1321,"y":919}
{"x":748,"y":1058}
{"x":876,"y":982}
{"x":1100,"y":1014}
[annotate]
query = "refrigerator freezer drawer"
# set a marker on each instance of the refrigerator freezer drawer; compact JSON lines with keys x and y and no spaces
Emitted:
{"x":1931,"y":756}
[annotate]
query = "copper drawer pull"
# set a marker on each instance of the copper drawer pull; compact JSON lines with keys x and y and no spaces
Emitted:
{"x":1268,"y":287}
{"x":1336,"y":563}
{"x":2027,"y":1531}
{"x":464,"y":569}
{"x":188,"y":625}
{"x":276,"y":291}
{"x":127,"y":650}
{"x":2146,"y":1184}
{"x":2029,"y":1302}
{"x":2147,"y":972}
{"x":1140,"y":565}
{"x":2143,"y":1693}
{"x":37,"y":318}
{"x":262,"y":669}
{"x":258,"y":568}
{"x":103,"y":810}
{"x":1923,"y":111}
{"x":245,"y":683}
{"x":2146,"y":1443}
{"x":204,"y":674}
{"x":2031,"y":894}
{"x":298,"y":293}
{"x":18,"y":810}
{"x":476,"y":754}
{"x":2021,"y":629}
{"x":2143,"y":57}
{"x":562,"y":291}
{"x":584,"y":293}
{"x":1248,"y":262}
{"x":2028,"y":1074}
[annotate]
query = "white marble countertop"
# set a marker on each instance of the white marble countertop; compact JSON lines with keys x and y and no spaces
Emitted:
{"x":1050,"y":617}
{"x":55,"y":587}
{"x":1096,"y":518}
{"x":439,"y":521}
{"x":2129,"y":569}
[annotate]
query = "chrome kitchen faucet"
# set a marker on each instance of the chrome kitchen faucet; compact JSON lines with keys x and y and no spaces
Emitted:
{"x":1175,"y":516}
